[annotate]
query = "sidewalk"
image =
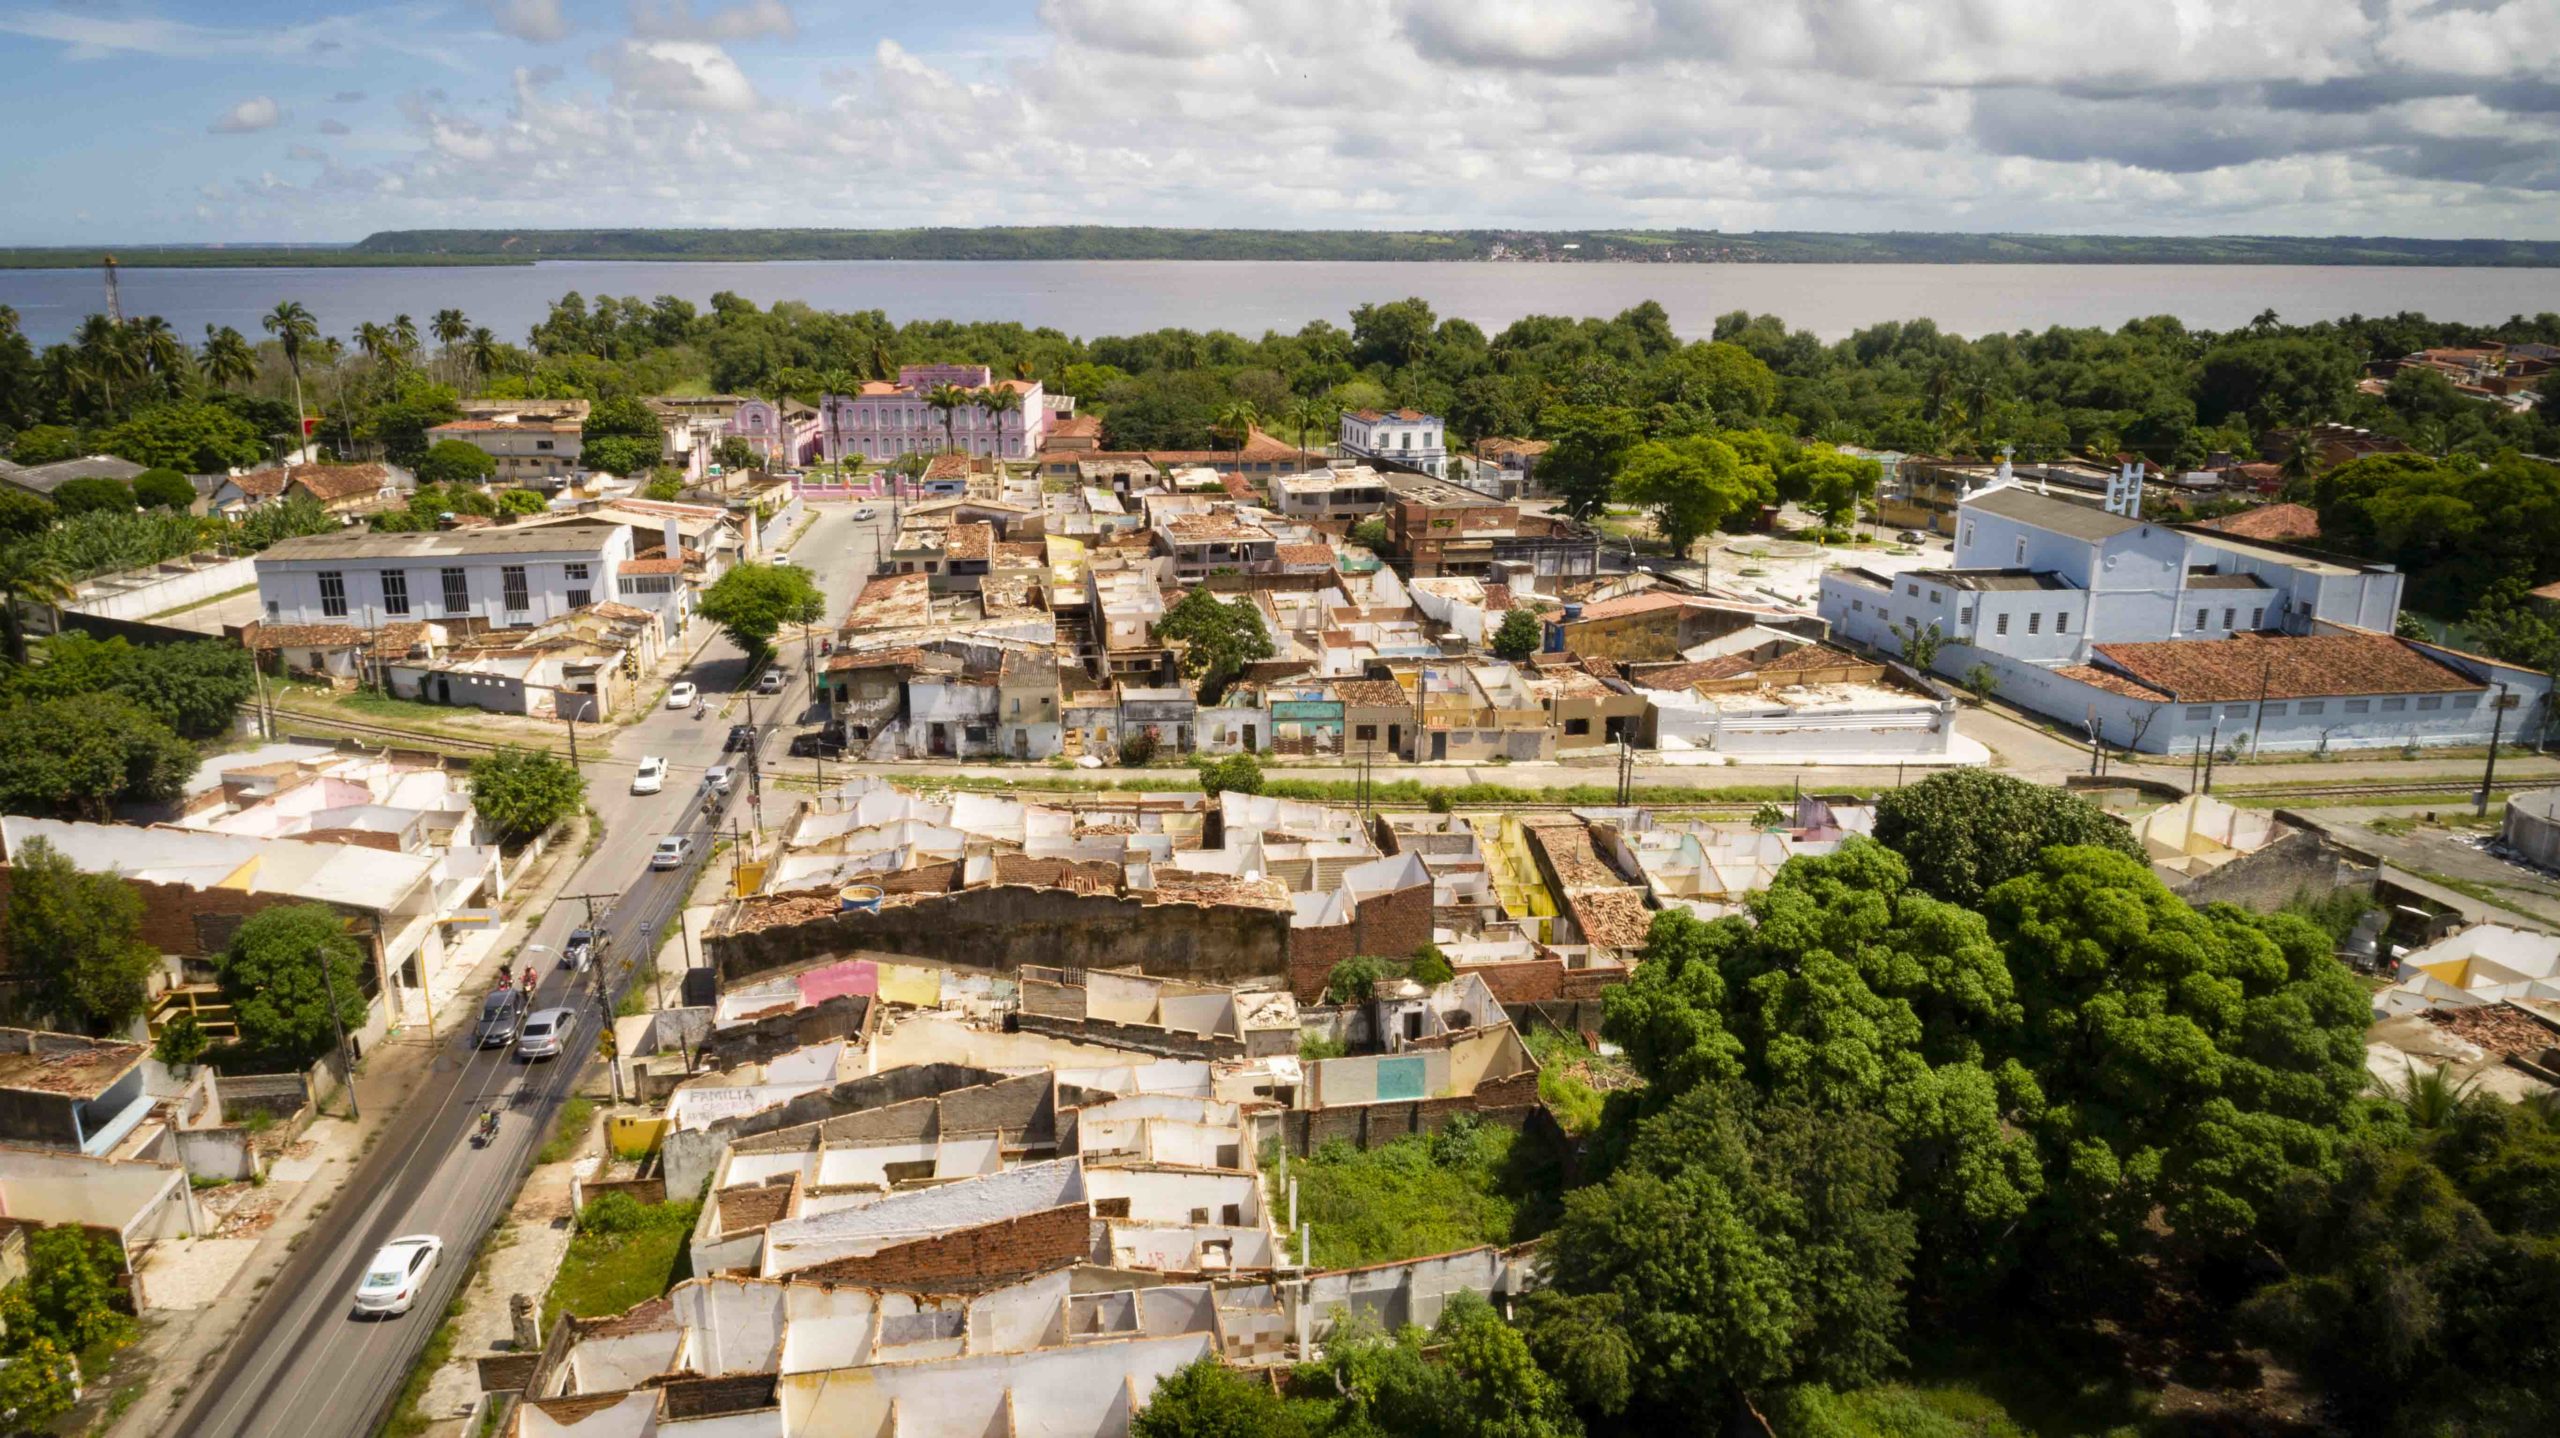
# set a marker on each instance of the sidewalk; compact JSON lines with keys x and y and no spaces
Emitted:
{"x":177,"y":1349}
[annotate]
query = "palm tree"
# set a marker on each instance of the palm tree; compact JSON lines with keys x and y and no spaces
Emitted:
{"x":881,"y":367}
{"x":949,"y":400}
{"x":2301,"y":464}
{"x":106,"y":359}
{"x":404,"y":331}
{"x":999,"y":400}
{"x":28,"y":575}
{"x":292,"y":325}
{"x":2432,"y":1099}
{"x":1939,"y":388}
{"x":1309,"y":414}
{"x":483,"y":354}
{"x":1238,"y":419}
{"x":159,"y":350}
{"x":834,"y":381}
{"x":373,"y":339}
{"x":449,"y":327}
{"x":228,"y":361}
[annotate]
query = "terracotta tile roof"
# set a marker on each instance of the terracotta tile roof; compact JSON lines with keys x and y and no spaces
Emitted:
{"x":1611,"y":918}
{"x":394,"y":641}
{"x":2097,"y":678}
{"x":1082,"y":426}
{"x":1372,"y":693}
{"x":947,"y":466}
{"x":2268,"y":521}
{"x":1305,"y":553}
{"x":853,"y":663}
{"x":1626,"y":604}
{"x":306,"y":636}
{"x":260,"y":483}
{"x":341,"y":481}
{"x":971,"y":541}
{"x":1373,"y":416}
{"x":657,"y":563}
{"x":2284,"y":666}
{"x":1527,"y":448}
{"x":611,"y":610}
{"x":1212,"y":527}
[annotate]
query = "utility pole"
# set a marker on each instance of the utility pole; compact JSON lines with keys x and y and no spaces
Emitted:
{"x":329,"y":986}
{"x":573,"y":740}
{"x":2497,"y":726}
{"x":601,"y":961}
{"x":2212,"y":744}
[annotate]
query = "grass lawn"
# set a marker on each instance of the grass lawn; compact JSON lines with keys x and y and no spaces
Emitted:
{"x":607,"y":1271}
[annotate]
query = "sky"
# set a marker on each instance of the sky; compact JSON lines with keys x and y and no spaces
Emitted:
{"x":244,"y":120}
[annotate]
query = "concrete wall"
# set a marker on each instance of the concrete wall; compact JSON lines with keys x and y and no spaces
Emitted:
{"x":223,"y":1154}
{"x":1392,"y":1295}
{"x":140,"y":593}
{"x":2532,"y":827}
{"x":137,"y":1201}
{"x":688,"y":1158}
{"x":1004,"y":927}
{"x":2305,"y":862}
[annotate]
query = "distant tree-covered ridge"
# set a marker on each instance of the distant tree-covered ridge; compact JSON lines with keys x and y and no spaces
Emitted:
{"x":1137,"y":242}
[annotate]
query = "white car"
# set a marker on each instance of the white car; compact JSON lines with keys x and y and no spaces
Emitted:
{"x":397,"y":1274}
{"x":720,"y":777}
{"x":681,"y":695}
{"x":650,"y":777}
{"x":671,"y":852}
{"x":782,"y":561}
{"x":866,"y":512}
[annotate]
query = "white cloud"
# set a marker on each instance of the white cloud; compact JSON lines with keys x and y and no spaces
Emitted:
{"x":2389,"y":117}
{"x":258,"y":112}
{"x":745,"y":20}
{"x":536,"y":20}
{"x":676,"y":75}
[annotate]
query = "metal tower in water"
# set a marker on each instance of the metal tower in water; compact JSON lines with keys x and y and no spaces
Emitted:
{"x":115,"y":305}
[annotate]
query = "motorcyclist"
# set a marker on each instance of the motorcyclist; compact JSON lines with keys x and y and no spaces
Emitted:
{"x":528,"y":981}
{"x":489,"y":1122}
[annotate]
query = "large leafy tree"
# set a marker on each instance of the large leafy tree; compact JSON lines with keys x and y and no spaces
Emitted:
{"x":80,"y":936}
{"x":1589,"y":443}
{"x":191,"y":438}
{"x":2422,"y":1289}
{"x":620,"y":455}
{"x":752,"y":602}
{"x":271,"y":974}
{"x":1207,"y":1399}
{"x":522,"y":792}
{"x":1221,"y":639}
{"x":92,"y":495}
{"x":400,"y":424}
{"x":1689,"y":486}
{"x":80,"y":756}
{"x":1518,"y":636}
{"x":1965,"y":830}
{"x":453,"y":461}
{"x":195,"y":689}
{"x":2189,"y":1063}
{"x":1744,"y":1243}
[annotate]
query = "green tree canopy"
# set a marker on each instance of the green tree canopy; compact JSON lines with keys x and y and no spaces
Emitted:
{"x":1964,"y":830}
{"x":196,"y":689}
{"x":93,"y":496}
{"x":621,"y":417}
{"x":1518,"y":636}
{"x":1745,"y":1242}
{"x":400,"y":423}
{"x":1241,"y":773}
{"x":189,"y":438}
{"x":1222,"y":639}
{"x":521,"y":501}
{"x":1689,"y":486}
{"x":2189,"y":1063}
{"x":47,"y":444}
{"x":271,"y":975}
{"x":163,"y":489}
{"x":752,"y":602}
{"x":23,"y":514}
{"x":80,"y":935}
{"x":1589,"y":443}
{"x":522,"y":792}
{"x":79,"y":756}
{"x":621,"y":455}
{"x":1207,"y":1399}
{"x":453,"y":461}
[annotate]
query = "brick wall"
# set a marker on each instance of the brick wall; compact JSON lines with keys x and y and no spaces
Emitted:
{"x":641,"y":1190}
{"x":1543,"y":981}
{"x":1001,"y":929}
{"x":1033,"y":1243}
{"x":1390,"y":925}
{"x":186,"y":922}
{"x":1367,"y":1126}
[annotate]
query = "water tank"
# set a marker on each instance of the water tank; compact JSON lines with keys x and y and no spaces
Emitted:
{"x":860,"y":899}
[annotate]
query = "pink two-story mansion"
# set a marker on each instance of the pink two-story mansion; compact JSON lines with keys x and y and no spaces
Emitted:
{"x":883,"y":420}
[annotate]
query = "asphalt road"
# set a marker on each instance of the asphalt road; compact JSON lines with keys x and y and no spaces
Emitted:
{"x":305,"y":1367}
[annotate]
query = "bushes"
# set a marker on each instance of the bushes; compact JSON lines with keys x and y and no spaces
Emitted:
{"x":1463,"y":1186}
{"x":1137,"y":750}
{"x":1241,"y":773}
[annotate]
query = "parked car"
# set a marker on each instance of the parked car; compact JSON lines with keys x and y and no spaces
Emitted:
{"x":771,"y":682}
{"x":671,"y":852}
{"x":1912,"y":536}
{"x":741,"y":736}
{"x":866,"y":512}
{"x":544,"y":1031}
{"x":681,"y":695}
{"x":782,"y":561}
{"x":650,"y":777}
{"x":580,"y":950}
{"x":720,"y":778}
{"x":815,"y":743}
{"x":394,"y":1279}
{"x":500,"y":1015}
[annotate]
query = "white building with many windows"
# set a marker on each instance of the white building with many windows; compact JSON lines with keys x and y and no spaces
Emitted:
{"x":1404,"y":436}
{"x":508,"y":576}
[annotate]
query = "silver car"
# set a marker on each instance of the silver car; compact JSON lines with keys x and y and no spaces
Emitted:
{"x":545,"y":1030}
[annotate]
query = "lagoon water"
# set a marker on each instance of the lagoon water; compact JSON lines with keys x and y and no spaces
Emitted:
{"x":1088,"y":298}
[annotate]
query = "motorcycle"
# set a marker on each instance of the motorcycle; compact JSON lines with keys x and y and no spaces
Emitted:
{"x":488,"y":1129}
{"x":699,"y":710}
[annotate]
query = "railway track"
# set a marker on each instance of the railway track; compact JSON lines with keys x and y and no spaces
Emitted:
{"x":2459,"y":787}
{"x":288,"y":722}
